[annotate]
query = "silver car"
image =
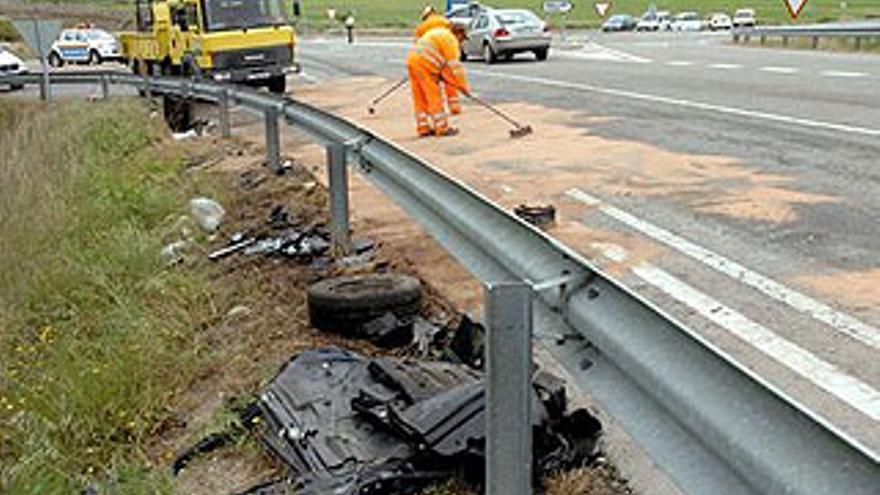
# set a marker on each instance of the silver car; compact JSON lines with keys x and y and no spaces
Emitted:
{"x":495,"y":34}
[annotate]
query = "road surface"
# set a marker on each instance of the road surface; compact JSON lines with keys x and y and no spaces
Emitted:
{"x":752,"y":216}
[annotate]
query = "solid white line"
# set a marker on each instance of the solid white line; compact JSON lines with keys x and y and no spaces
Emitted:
{"x":780,"y":70}
{"x":830,"y":378}
{"x":843,"y":73}
{"x":680,"y":63}
{"x":683,"y":103}
{"x":725,"y":66}
{"x":841,"y":322}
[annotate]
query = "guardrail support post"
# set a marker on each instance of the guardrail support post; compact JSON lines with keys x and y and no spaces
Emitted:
{"x":337,"y":174}
{"x":858,"y":43}
{"x":225,"y":127}
{"x":785,"y":41}
{"x":509,"y":389}
{"x":815,"y":42}
{"x":105,"y":87}
{"x":273,"y":139}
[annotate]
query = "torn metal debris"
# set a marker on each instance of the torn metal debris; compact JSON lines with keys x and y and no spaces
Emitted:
{"x":539,"y":216}
{"x":346,"y":424}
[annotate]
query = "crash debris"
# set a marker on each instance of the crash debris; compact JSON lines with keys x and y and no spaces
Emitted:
{"x":346,"y":424}
{"x":537,"y":215}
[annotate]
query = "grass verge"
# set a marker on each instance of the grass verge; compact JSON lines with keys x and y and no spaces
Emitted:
{"x":96,"y":335}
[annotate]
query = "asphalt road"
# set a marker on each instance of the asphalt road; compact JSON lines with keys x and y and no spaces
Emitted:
{"x":808,"y":123}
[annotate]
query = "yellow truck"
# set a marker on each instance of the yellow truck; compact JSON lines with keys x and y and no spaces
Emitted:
{"x":239,"y":41}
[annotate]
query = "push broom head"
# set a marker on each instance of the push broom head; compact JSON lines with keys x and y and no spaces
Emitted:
{"x":521,"y":131}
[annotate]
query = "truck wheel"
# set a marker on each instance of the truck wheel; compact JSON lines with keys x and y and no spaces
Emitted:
{"x":344,"y":304}
{"x":277,"y":84}
{"x":94,"y":58}
{"x":55,"y":60}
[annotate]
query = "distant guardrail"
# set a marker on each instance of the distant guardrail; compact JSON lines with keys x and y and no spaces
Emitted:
{"x":858,"y":31}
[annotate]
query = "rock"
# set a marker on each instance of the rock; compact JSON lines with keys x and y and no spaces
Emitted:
{"x":207,"y":213}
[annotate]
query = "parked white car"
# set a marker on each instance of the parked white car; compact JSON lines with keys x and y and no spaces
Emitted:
{"x":719,"y":21}
{"x":687,"y":21}
{"x":11,"y":65}
{"x":744,"y":18}
{"x":660,"y":20}
{"x":84,"y":45}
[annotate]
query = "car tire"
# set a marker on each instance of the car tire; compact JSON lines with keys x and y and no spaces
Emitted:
{"x":344,"y":304}
{"x":16,"y":87}
{"x":277,"y":84}
{"x":55,"y":60}
{"x":463,"y":56}
{"x":489,"y":55}
{"x":541,"y":54}
{"x":94,"y":58}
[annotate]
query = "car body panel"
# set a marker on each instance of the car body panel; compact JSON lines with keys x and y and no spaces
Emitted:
{"x":77,"y":45}
{"x":11,"y":65}
{"x":619,"y":22}
{"x":687,"y":21}
{"x":744,"y":18}
{"x":718,"y":21}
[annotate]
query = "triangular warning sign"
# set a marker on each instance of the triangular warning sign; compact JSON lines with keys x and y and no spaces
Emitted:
{"x":602,"y":8}
{"x":794,"y":7}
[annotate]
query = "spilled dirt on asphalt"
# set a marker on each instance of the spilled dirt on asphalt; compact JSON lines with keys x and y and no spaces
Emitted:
{"x":858,"y":289}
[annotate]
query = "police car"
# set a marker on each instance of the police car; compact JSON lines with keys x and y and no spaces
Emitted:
{"x":84,"y":45}
{"x":11,"y":65}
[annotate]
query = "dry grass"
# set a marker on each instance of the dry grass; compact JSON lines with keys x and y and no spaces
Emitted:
{"x":595,"y":480}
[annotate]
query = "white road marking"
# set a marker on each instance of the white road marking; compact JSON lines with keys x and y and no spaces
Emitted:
{"x":823,"y":374}
{"x":680,"y":63}
{"x":595,"y":51}
{"x":308,"y":77}
{"x":780,"y":70}
{"x":754,"y":114}
{"x":818,"y":310}
{"x":842,"y":73}
{"x":725,"y":66}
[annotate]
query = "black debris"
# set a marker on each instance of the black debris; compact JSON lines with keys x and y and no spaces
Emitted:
{"x":540,"y":216}
{"x":346,"y":424}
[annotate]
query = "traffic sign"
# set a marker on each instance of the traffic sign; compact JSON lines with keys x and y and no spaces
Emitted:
{"x":795,"y":7}
{"x":38,"y":35}
{"x":603,"y":8}
{"x":558,"y":7}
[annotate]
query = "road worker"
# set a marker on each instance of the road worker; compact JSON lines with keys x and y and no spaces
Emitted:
{"x":436,"y":57}
{"x":432,"y":19}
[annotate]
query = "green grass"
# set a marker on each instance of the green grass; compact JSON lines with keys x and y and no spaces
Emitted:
{"x":96,"y":334}
{"x":401,"y":13}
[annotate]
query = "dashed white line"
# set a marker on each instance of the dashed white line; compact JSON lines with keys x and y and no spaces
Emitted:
{"x":725,"y":66}
{"x":842,"y":73}
{"x":819,"y":311}
{"x":680,"y":63}
{"x":754,"y":114}
{"x":823,"y":374}
{"x":780,"y":70}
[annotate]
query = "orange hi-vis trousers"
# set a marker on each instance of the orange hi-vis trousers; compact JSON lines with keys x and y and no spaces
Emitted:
{"x":424,"y":80}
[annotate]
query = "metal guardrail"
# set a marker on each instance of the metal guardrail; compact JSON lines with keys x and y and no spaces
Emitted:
{"x":858,"y":31}
{"x":711,"y":424}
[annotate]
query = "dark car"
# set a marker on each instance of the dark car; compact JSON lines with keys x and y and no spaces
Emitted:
{"x":619,"y":22}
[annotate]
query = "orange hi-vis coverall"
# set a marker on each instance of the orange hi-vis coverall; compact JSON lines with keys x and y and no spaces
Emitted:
{"x":438,"y":21}
{"x":435,"y":57}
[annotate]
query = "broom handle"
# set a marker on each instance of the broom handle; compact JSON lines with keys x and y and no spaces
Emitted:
{"x":485,"y":104}
{"x":394,"y":88}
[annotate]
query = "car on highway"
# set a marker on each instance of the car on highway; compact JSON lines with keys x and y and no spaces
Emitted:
{"x":619,"y":22}
{"x":719,"y":21}
{"x":501,"y":34}
{"x":654,"y":21}
{"x":84,"y":44}
{"x":744,"y":18}
{"x":687,"y":21}
{"x":11,"y":65}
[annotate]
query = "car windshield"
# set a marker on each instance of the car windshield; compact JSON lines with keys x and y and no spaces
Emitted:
{"x":99,"y":35}
{"x":688,"y":17}
{"x":617,"y":18}
{"x":242,"y":14}
{"x":516,"y":17}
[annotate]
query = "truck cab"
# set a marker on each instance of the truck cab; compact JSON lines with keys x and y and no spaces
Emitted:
{"x":238,"y":41}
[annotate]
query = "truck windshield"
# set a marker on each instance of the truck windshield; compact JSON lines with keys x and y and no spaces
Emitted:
{"x":243,"y":14}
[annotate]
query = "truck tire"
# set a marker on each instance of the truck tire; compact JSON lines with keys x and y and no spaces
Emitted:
{"x":344,"y":304}
{"x":277,"y":84}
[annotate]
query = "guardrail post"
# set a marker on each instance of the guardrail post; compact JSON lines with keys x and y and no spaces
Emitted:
{"x":785,"y":41}
{"x":337,"y":174}
{"x":763,"y":40}
{"x":815,"y":42}
{"x":105,"y":87}
{"x":508,"y":390}
{"x":273,"y":139}
{"x":225,"y":127}
{"x":858,"y":43}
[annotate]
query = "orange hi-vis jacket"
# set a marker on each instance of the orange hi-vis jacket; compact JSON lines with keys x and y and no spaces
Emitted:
{"x":431,"y":22}
{"x":439,"y":52}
